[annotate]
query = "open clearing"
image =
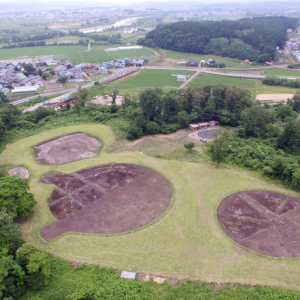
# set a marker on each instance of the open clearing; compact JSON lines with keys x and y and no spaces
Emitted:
{"x":265,"y":222}
{"x":155,"y":78}
{"x":67,"y":148}
{"x":186,"y":241}
{"x":274,"y":97}
{"x":106,"y":199}
{"x":132,"y":53}
{"x":207,"y":79}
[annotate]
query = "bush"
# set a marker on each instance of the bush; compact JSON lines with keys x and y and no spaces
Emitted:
{"x":14,"y":196}
{"x":134,"y":133}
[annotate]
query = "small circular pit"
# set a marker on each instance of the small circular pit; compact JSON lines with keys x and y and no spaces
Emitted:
{"x":266,"y":222}
{"x":20,"y":171}
{"x":106,"y":199}
{"x":208,"y":133}
{"x":67,"y":148}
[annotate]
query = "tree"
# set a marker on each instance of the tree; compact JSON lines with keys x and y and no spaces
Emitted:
{"x":189,"y":146}
{"x":114,"y":94}
{"x":10,"y":235}
{"x":62,"y":79}
{"x":39,"y":262}
{"x":24,"y":253}
{"x":150,"y":103}
{"x":80,"y":98}
{"x":183,"y":119}
{"x":45,"y":75}
{"x":15,"y":196}
{"x":3,"y":98}
{"x":12,"y":277}
{"x":289,"y":138}
{"x":29,"y":69}
{"x":219,"y":147}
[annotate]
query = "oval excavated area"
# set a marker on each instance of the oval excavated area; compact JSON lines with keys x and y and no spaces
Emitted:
{"x":266,"y":222}
{"x":106,"y":199}
{"x":67,"y":148}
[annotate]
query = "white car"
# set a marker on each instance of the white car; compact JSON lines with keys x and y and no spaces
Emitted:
{"x":95,"y":97}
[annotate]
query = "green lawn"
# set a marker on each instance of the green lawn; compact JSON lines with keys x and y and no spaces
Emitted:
{"x":282,"y":72}
{"x":154,"y":78}
{"x":137,"y":53}
{"x":268,"y":89}
{"x":133,"y":39}
{"x":186,"y":242}
{"x":207,"y":79}
{"x":229,"y":62}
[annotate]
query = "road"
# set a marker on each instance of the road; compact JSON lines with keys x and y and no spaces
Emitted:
{"x":128,"y":70}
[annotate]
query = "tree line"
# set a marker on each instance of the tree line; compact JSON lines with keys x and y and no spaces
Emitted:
{"x":255,"y":39}
{"x":275,"y":80}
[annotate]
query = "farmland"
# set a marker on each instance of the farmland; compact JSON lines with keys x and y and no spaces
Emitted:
{"x":74,"y":53}
{"x":131,"y":53}
{"x":207,"y":79}
{"x":229,"y":62}
{"x":185,"y":242}
{"x":282,"y":72}
{"x":154,"y":78}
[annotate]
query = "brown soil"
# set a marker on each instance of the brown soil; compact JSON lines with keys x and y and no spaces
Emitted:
{"x":106,"y":199}
{"x":67,"y":148}
{"x":266,"y":222}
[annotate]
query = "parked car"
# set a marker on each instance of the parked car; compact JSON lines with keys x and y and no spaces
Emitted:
{"x":95,"y":97}
{"x":203,"y":140}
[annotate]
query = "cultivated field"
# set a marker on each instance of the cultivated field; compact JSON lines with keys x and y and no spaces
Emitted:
{"x":207,"y":79}
{"x":154,"y":78}
{"x":282,"y":72}
{"x":131,"y":53}
{"x":186,"y":241}
{"x":229,"y":62}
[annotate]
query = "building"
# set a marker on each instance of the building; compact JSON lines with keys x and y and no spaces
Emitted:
{"x":130,"y":30}
{"x":194,"y":127}
{"x":269,"y":64}
{"x":181,"y":77}
{"x":103,"y":70}
{"x":192,"y":63}
{"x":203,"y":125}
{"x":213,"y":123}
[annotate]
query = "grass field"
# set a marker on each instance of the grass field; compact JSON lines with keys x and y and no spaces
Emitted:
{"x":207,"y":79}
{"x":268,"y":89}
{"x":187,"y":242}
{"x":282,"y":72}
{"x":133,"y":39}
{"x":154,"y":78}
{"x":137,"y":53}
{"x":229,"y":62}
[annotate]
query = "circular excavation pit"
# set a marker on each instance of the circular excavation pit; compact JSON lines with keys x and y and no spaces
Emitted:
{"x":106,"y":199}
{"x":67,"y":148}
{"x":266,"y":222}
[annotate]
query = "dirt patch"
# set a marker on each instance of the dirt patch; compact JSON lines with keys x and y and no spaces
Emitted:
{"x":106,"y":199}
{"x":274,"y":97}
{"x":208,"y":133}
{"x":266,"y":222}
{"x":157,"y":279}
{"x":20,"y":171}
{"x":67,"y":148}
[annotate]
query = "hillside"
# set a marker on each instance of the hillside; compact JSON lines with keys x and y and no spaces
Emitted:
{"x":255,"y":39}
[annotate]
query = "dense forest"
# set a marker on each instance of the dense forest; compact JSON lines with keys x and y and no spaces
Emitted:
{"x":261,"y":129}
{"x":254,"y":39}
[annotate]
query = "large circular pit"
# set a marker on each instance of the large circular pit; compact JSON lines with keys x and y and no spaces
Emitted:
{"x":67,"y":148}
{"x":266,"y":222}
{"x":106,"y":199}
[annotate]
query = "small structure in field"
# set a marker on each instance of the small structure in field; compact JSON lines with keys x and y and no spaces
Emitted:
{"x":213,"y":123}
{"x":269,"y":64}
{"x":181,"y":77}
{"x":194,"y":127}
{"x":247,"y":62}
{"x":128,"y":275}
{"x":203,"y":125}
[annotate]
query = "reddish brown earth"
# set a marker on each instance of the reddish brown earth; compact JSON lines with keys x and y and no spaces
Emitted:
{"x":266,"y":222}
{"x":106,"y":199}
{"x":67,"y":148}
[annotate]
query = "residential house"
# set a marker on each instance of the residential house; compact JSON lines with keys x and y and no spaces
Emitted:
{"x":192,"y":63}
{"x":59,"y":69}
